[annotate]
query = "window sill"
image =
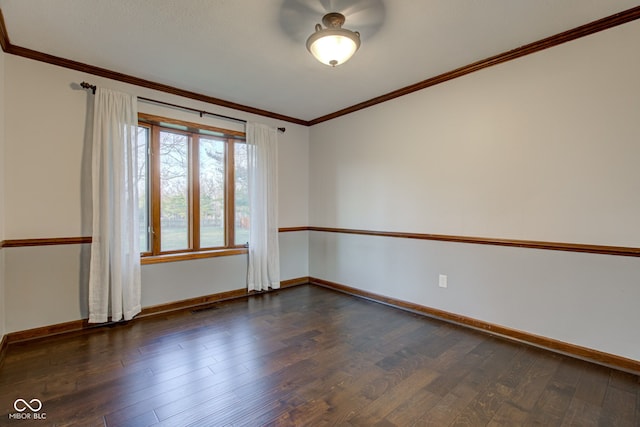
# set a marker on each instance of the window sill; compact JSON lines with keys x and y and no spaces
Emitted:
{"x":156,"y":259}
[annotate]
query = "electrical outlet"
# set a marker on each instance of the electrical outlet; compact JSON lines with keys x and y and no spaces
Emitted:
{"x":442,"y":280}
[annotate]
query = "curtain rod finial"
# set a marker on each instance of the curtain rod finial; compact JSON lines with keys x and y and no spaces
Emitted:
{"x":282,"y":130}
{"x":86,"y":85}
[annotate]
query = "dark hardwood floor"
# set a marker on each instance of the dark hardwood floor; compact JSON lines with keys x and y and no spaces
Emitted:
{"x":305,"y":356}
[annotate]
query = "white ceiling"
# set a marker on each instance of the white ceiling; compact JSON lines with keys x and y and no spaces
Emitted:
{"x":252,"y":52}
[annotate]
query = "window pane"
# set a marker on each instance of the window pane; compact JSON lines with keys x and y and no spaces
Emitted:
{"x":143,"y":187}
{"x":241,"y":194}
{"x":212,"y":177}
{"x":174,"y":191}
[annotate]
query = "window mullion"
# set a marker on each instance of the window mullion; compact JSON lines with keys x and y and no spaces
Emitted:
{"x":229,"y":205}
{"x":194,"y":184}
{"x":155,"y":190}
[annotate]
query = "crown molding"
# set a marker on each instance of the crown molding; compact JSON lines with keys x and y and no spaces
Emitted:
{"x":555,"y":40}
{"x":12,"y":49}
{"x":608,"y":22}
{"x":4,"y":36}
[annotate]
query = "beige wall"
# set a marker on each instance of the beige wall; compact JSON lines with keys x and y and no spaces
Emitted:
{"x":2,"y":191}
{"x":48,"y":195}
{"x":541,"y":148}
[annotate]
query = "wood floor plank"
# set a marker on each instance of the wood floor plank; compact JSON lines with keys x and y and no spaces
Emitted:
{"x":509,"y":415}
{"x":304,"y":414}
{"x":624,"y":381}
{"x":345,"y":391}
{"x":414,"y":408}
{"x":534,"y":381}
{"x":496,"y":380}
{"x":581,"y":413}
{"x":482,"y":409}
{"x":446,"y":382}
{"x":592,"y":385}
{"x":302,"y":356}
{"x":551,"y":407}
{"x":618,"y":407}
{"x":386,"y":403}
{"x":449,"y":407}
{"x":115,"y":396}
{"x":249,"y":402}
{"x":147,"y":400}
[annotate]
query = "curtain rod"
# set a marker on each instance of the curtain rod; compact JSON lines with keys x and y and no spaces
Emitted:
{"x":202,"y":113}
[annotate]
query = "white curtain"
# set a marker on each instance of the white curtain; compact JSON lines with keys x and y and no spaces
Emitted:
{"x":114,"y":275}
{"x":264,"y":252}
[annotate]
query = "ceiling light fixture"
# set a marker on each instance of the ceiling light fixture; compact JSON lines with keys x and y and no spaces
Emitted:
{"x":333,"y":45}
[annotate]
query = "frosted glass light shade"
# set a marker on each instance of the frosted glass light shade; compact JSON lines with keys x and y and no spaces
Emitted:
{"x":333,"y":45}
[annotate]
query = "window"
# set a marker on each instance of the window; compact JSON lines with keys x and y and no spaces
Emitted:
{"x":192,"y":188}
